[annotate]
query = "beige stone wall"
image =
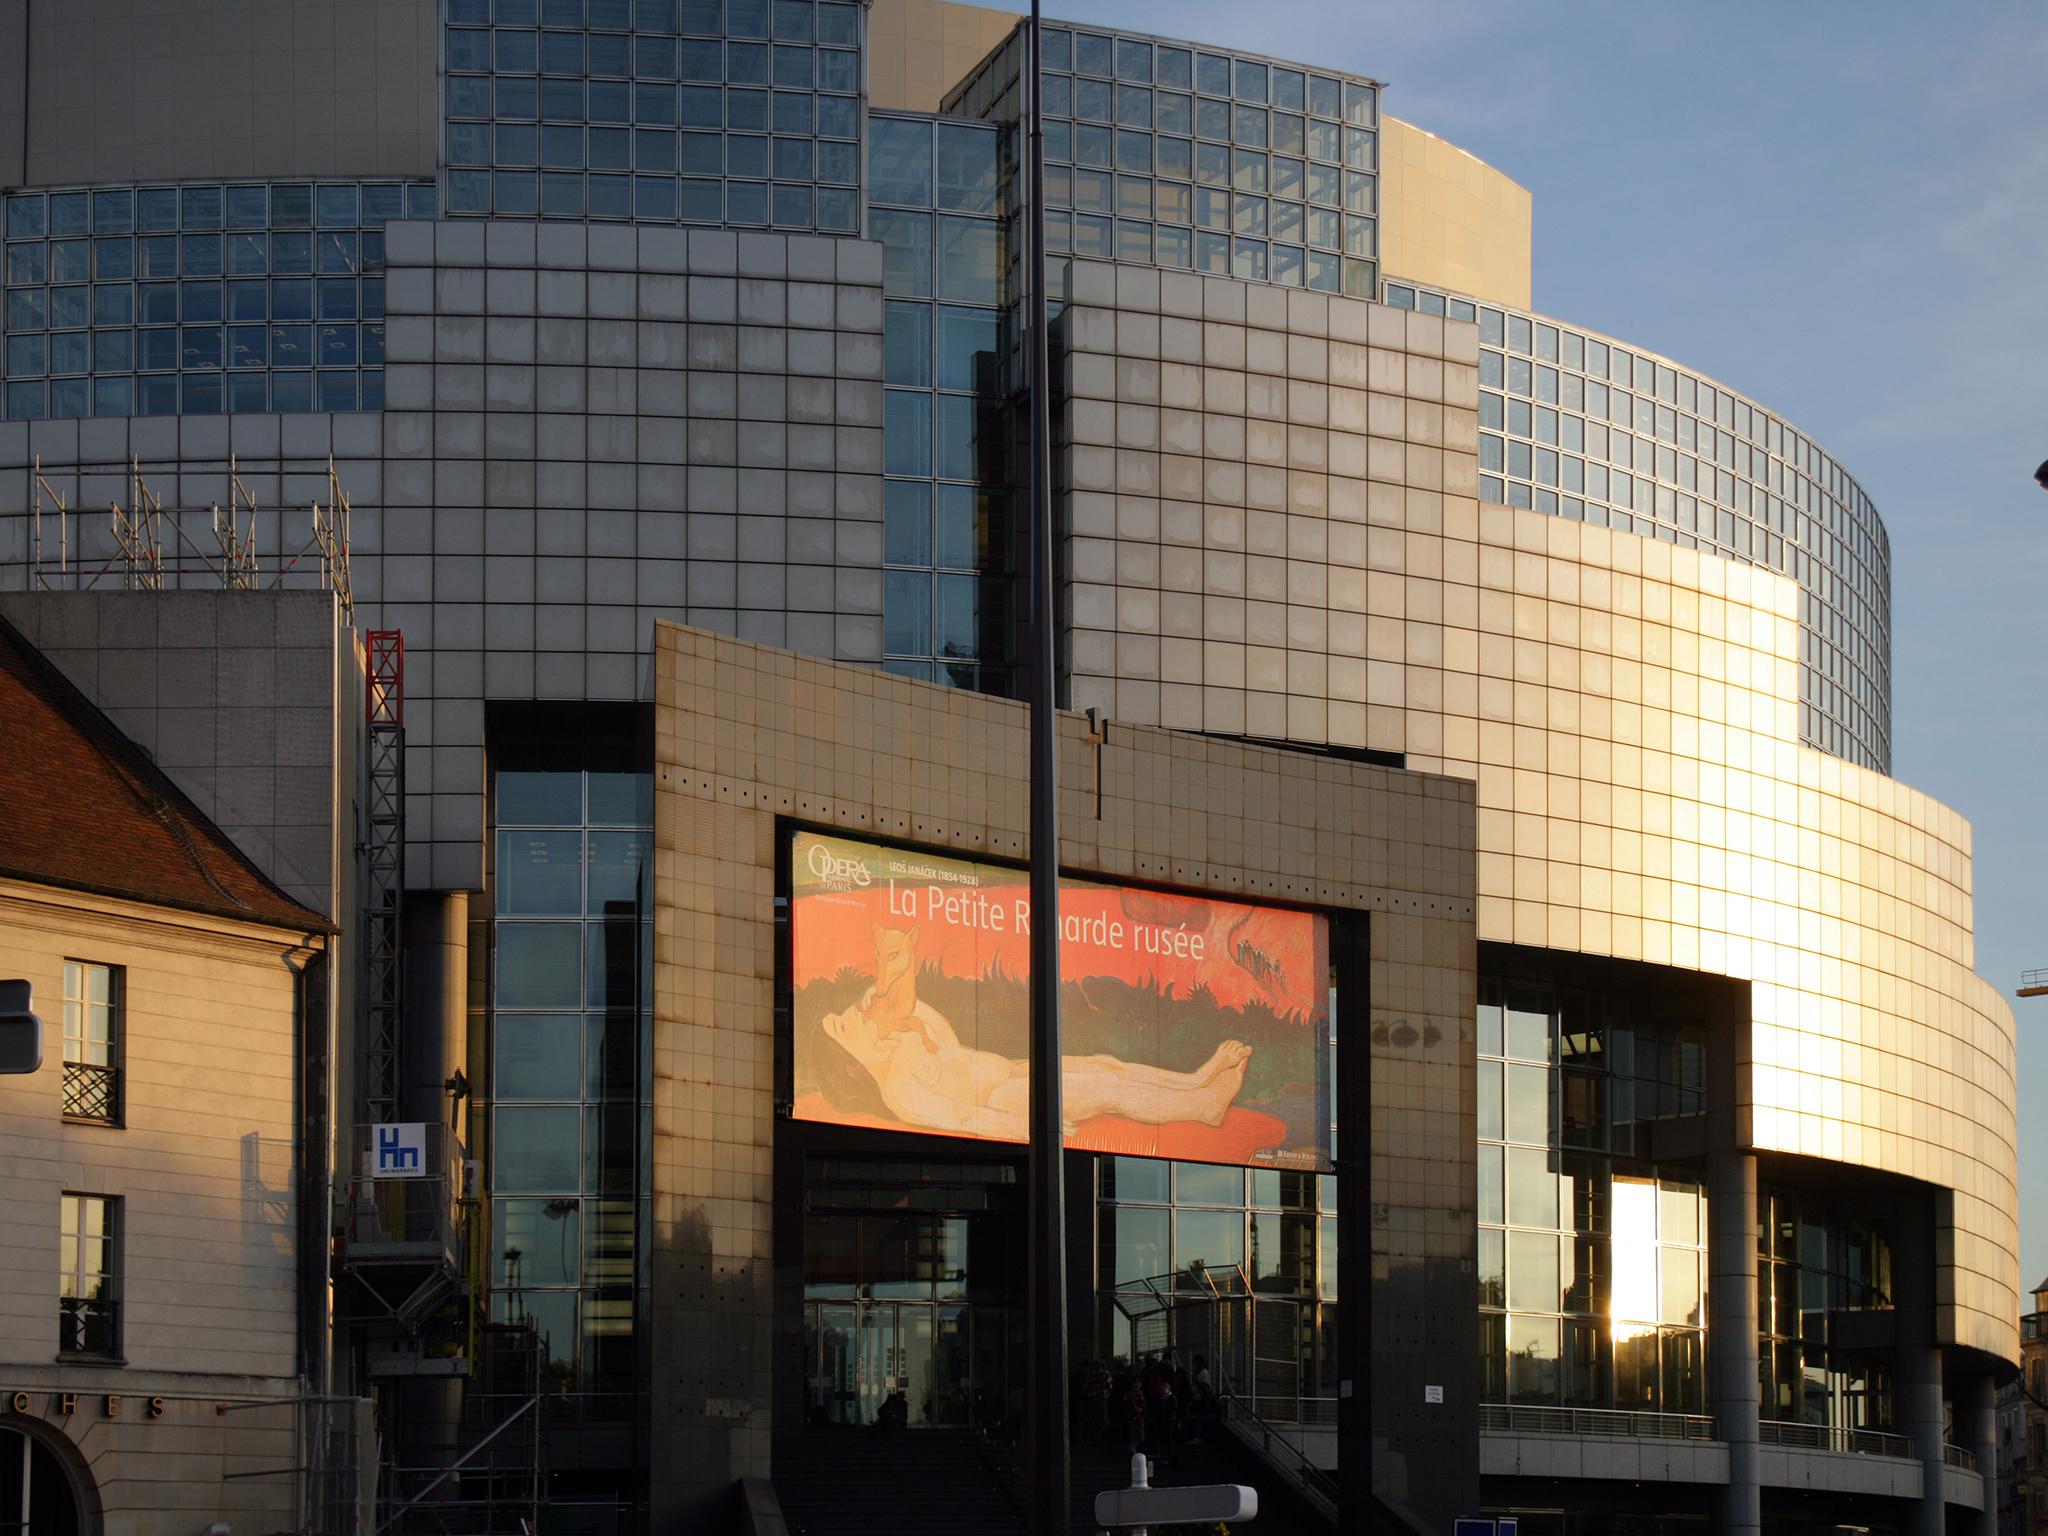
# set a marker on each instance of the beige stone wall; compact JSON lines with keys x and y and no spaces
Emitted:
{"x":918,"y":50}
{"x":1449,"y":218}
{"x":1275,"y":530}
{"x":746,"y":735}
{"x":204,"y":1167}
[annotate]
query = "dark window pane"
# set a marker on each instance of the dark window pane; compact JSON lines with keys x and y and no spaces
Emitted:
{"x":536,"y":1150}
{"x":971,"y":261}
{"x":900,"y":162}
{"x":907,"y":523}
{"x":540,"y":873}
{"x":907,"y":613}
{"x":538,"y":1056}
{"x":906,"y":250}
{"x":539,"y":965}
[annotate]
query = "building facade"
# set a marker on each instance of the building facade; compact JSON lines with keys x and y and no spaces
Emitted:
{"x":654,"y":369}
{"x":155,"y":1346}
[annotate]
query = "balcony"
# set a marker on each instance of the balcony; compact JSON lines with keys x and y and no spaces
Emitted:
{"x":88,"y":1326}
{"x":92,"y":1093}
{"x":1528,"y":1419}
{"x":407,"y":1219}
{"x":1833,"y":1437}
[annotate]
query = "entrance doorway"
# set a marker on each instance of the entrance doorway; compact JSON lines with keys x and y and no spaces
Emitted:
{"x":908,"y":1313}
{"x":948,"y":1361}
{"x":36,"y":1495}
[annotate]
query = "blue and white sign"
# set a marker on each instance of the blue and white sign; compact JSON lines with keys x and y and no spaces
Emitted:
{"x":398,"y":1150}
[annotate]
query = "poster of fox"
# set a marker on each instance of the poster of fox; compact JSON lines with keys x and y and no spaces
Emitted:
{"x":1191,"y":1027}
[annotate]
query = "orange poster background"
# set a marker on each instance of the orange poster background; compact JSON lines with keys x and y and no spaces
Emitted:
{"x":1152,"y":979}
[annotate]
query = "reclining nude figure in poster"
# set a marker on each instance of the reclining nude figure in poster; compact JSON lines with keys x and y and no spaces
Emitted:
{"x":929,"y":1079}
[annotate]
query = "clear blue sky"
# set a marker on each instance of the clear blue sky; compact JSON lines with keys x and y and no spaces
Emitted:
{"x":1840,"y":209}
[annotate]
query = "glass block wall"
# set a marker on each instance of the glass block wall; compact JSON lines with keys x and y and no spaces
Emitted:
{"x":742,"y":112}
{"x":199,"y":298}
{"x":1578,"y":425}
{"x":940,"y":204}
{"x":1163,"y":154}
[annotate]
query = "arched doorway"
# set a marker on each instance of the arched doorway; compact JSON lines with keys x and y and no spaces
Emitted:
{"x":37,"y":1494}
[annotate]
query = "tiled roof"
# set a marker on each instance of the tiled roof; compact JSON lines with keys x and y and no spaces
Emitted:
{"x":82,"y":806}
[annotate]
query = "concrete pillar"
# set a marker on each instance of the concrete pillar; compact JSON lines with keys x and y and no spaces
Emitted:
{"x":1734,"y":1392}
{"x":1976,"y":1399}
{"x":436,"y":1041}
{"x":1919,"y":1411}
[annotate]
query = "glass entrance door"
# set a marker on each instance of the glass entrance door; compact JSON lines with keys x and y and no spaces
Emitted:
{"x":865,"y":1356}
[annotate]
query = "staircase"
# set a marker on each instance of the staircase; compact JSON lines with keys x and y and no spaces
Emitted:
{"x":915,"y":1482}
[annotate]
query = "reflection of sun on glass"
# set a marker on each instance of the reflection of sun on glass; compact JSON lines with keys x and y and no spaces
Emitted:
{"x":1633,"y":1299}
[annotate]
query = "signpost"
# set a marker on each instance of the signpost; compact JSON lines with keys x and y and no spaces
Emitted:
{"x":1142,"y":1505}
{"x":21,"y":1032}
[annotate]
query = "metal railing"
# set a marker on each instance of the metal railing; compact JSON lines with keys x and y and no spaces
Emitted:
{"x":88,"y":1326}
{"x":1833,"y":1437}
{"x":392,"y":1216}
{"x":92,"y":1092}
{"x":1296,"y":1412}
{"x":1956,"y":1456}
{"x":1274,"y":1443}
{"x":1532,"y":1419}
{"x":2033,"y":983}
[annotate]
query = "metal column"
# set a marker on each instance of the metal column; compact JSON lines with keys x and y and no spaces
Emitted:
{"x":1051,"y":1509}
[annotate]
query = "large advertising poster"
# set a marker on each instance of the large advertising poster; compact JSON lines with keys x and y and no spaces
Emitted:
{"x":1191,"y":1028}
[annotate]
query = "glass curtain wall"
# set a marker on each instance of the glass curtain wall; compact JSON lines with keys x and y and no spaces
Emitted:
{"x":1582,"y":427}
{"x":1260,"y":1232}
{"x":1814,"y":1261}
{"x":742,"y":112}
{"x":1592,"y":1259}
{"x":570,"y":1087}
{"x":1162,"y":154}
{"x":199,"y":298}
{"x":940,"y":203}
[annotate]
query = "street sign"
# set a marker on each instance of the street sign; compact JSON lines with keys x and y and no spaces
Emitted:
{"x":21,"y":1032}
{"x":398,"y":1150}
{"x":1142,"y":1504}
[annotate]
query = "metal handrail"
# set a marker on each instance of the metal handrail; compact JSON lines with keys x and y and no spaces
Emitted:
{"x":1833,"y":1437}
{"x":1315,"y":1484}
{"x":2033,"y":983}
{"x":1956,"y":1456}
{"x":1534,"y":1419}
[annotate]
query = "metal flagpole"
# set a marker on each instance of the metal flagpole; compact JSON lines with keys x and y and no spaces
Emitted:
{"x":1050,"y":1498}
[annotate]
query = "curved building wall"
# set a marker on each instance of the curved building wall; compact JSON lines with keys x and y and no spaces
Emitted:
{"x":1581,"y":425}
{"x":1276,"y":531}
{"x":1449,"y":218}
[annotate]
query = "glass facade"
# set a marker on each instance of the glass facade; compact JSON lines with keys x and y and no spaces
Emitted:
{"x":195,"y":299}
{"x":1160,"y":1224}
{"x":1816,"y":1259}
{"x":1592,"y":1259}
{"x":1166,"y":155}
{"x":741,"y":112}
{"x":1580,"y":426}
{"x":570,"y":1070}
{"x":940,"y":203}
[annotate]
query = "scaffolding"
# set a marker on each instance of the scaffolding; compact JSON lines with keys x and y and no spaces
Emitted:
{"x":150,"y":547}
{"x":493,"y":1484}
{"x":383,"y":870}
